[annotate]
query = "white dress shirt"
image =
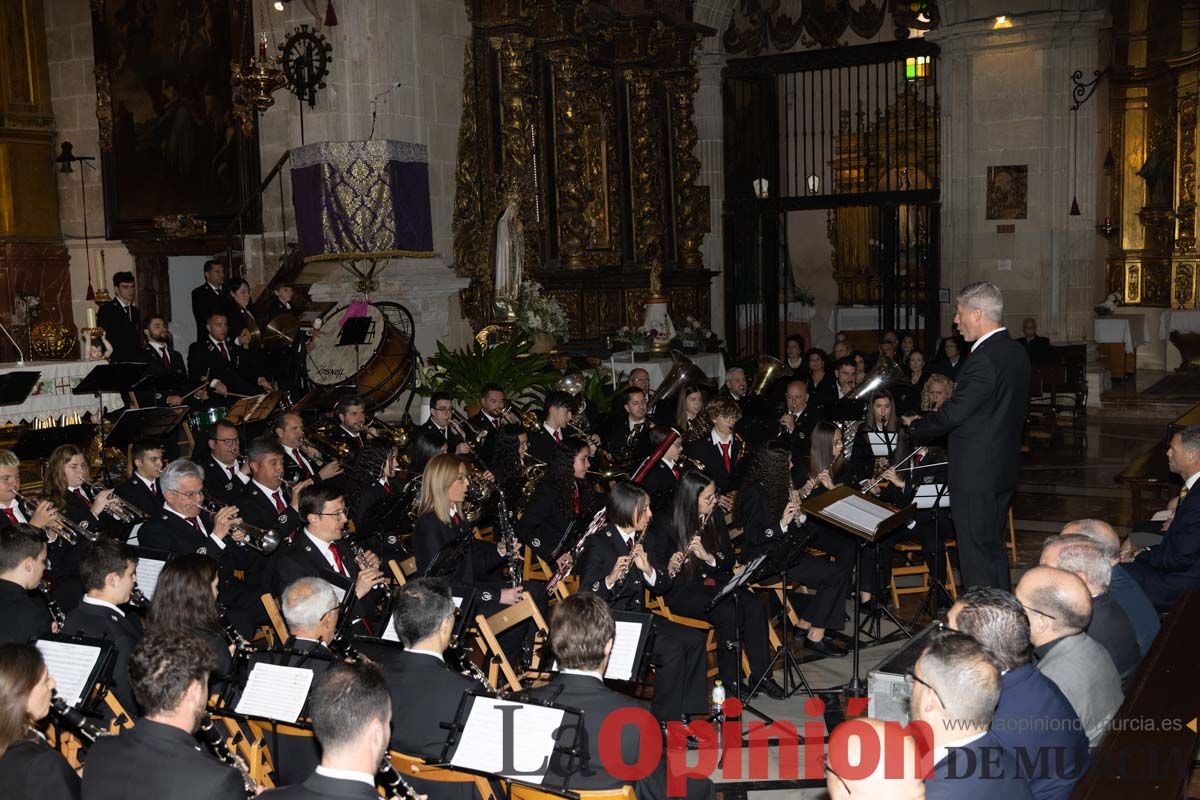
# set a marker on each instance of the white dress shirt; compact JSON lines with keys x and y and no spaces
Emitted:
{"x":323,"y":548}
{"x":346,"y":775}
{"x":220,"y":543}
{"x":984,"y":338}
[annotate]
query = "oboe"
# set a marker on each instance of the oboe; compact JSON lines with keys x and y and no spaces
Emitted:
{"x":211,"y":738}
{"x":393,"y":784}
{"x":74,"y":719}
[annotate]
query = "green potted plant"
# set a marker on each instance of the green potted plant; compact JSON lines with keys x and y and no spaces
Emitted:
{"x":463,"y":373}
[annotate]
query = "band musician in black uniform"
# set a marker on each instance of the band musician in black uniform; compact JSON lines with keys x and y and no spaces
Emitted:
{"x":217,"y":362}
{"x":141,"y":489}
{"x":800,"y":415}
{"x":694,"y":543}
{"x":121,"y":320}
{"x":563,"y":499}
{"x":722,"y":452}
{"x":22,"y":567}
{"x":441,"y":422}
{"x":30,"y":769}
{"x":663,"y":477}
{"x":167,"y":375}
{"x":300,"y":458}
{"x":627,"y":436}
{"x":617,"y":568}
{"x":225,"y":472}
{"x":351,"y":430}
{"x":209,"y":297}
{"x":265,"y":502}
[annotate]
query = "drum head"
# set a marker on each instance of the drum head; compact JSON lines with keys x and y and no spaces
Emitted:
{"x":330,"y":364}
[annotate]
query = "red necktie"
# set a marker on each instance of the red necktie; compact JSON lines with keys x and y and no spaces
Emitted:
{"x":79,"y":491}
{"x":166,"y":358}
{"x":129,"y":313}
{"x":387,"y":487}
{"x":455,"y":519}
{"x":224,"y":351}
{"x":303,"y":465}
{"x":280,"y":506}
{"x":558,"y":437}
{"x":154,"y":489}
{"x":337,"y":559}
{"x":575,"y":499}
{"x":676,"y":471}
{"x":725,"y":455}
{"x":196,"y":524}
{"x":12,"y":516}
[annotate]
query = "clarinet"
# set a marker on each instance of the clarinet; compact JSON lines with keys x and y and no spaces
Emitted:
{"x":393,"y":784}
{"x":511,"y":545}
{"x":139,"y":601}
{"x":466,"y":666}
{"x":56,"y":613}
{"x":211,"y":738}
{"x":240,"y":646}
{"x":74,"y":719}
{"x":620,"y":584}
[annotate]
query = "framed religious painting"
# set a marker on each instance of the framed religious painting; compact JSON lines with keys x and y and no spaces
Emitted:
{"x":176,"y":143}
{"x":1007,"y":192}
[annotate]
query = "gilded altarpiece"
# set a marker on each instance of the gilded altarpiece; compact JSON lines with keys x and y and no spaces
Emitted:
{"x":583,"y":114}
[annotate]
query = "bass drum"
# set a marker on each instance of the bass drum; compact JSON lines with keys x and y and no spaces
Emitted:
{"x":379,"y":368}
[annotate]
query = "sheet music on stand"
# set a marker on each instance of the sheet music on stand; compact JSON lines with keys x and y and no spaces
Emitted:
{"x":390,"y":634}
{"x":857,"y":513}
{"x":77,"y":665}
{"x":477,"y":741}
{"x":149,"y":564}
{"x":883,"y":443}
{"x":632,"y":632}
{"x":275,"y":692}
{"x":930,"y":495}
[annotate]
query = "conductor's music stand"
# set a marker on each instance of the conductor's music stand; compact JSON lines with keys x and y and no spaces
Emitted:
{"x":143,"y":423}
{"x":110,"y":379}
{"x":255,"y":408}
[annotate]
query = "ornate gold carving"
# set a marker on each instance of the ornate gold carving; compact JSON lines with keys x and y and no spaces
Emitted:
{"x":570,"y":157}
{"x":691,"y":201}
{"x":181,"y":226}
{"x":1183,"y":282}
{"x":242,"y":112}
{"x":51,"y":340}
{"x":470,"y":250}
{"x":514,"y":53}
{"x":1133,"y":283}
{"x":645,"y":156}
{"x":1156,"y":284}
{"x":1185,"y":238}
{"x":104,"y":115}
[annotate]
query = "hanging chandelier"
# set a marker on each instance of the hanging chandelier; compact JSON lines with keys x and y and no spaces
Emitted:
{"x":260,"y":79}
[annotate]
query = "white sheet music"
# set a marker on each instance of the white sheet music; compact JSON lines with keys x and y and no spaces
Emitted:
{"x":927,"y":495}
{"x":530,"y":740}
{"x":339,"y":591}
{"x":71,"y":665}
{"x":621,"y":663}
{"x":390,"y":633}
{"x":880,"y":442}
{"x":147,"y":575}
{"x":275,"y":692}
{"x":858,"y":513}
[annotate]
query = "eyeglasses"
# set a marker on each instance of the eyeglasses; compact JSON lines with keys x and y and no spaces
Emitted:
{"x":1038,"y":611}
{"x":913,"y":675}
{"x":443,"y":408}
{"x":341,"y":512}
{"x":830,"y":771}
{"x":188,"y":495}
{"x":225,"y":441}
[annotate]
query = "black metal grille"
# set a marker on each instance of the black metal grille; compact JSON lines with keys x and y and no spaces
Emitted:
{"x":852,"y":130}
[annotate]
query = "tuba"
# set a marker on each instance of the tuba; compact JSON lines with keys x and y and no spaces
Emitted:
{"x":683,"y":371}
{"x":886,"y":373}
{"x":769,"y":370}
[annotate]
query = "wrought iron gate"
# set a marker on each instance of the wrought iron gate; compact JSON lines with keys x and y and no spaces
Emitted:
{"x":852,"y":131}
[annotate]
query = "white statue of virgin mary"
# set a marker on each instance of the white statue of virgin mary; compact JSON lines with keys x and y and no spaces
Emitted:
{"x":510,"y":258}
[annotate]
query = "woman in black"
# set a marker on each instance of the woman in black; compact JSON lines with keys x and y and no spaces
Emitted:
{"x":376,"y":502}
{"x":690,"y":418}
{"x":769,"y":514}
{"x":507,"y":462}
{"x":908,"y":395}
{"x":29,"y":768}
{"x":865,"y":466}
{"x":692,"y":544}
{"x":563,"y":499}
{"x":66,"y":474}
{"x":185,"y":602}
{"x":821,"y":382}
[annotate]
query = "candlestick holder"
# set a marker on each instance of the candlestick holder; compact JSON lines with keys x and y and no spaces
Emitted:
{"x":260,"y":79}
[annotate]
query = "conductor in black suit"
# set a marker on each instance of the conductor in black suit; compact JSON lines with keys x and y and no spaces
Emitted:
{"x":209,"y":297}
{"x":159,"y":756}
{"x":582,"y":633}
{"x":351,"y":717}
{"x":120,"y":319}
{"x":984,"y":420}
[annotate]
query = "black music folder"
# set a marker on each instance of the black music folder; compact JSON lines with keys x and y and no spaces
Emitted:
{"x":857,"y":513}
{"x":16,"y":386}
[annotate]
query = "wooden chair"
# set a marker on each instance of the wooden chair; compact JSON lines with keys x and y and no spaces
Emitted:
{"x":251,"y":749}
{"x":122,"y":719}
{"x":522,"y":792}
{"x":487,"y":639}
{"x":658,"y":605}
{"x":909,"y":548}
{"x":402,"y":570}
{"x":1012,"y":538}
{"x":413,"y":767}
{"x":536,"y":569}
{"x":263,"y":732}
{"x":278,"y":626}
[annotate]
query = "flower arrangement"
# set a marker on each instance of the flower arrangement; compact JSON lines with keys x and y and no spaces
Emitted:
{"x":537,"y":313}
{"x":1110,"y":304}
{"x":640,"y":337}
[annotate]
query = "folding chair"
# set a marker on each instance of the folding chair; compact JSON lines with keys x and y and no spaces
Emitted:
{"x":658,"y":605}
{"x":402,"y":570}
{"x":278,"y":627}
{"x":518,"y":791}
{"x":413,"y":767}
{"x":922,"y":569}
{"x":252,"y":751}
{"x":488,"y":641}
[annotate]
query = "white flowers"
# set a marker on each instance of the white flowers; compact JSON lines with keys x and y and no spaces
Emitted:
{"x":537,"y":313}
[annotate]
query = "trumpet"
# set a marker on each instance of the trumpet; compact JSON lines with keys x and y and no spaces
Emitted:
{"x":62,"y":526}
{"x":118,"y":507}
{"x":265,"y":541}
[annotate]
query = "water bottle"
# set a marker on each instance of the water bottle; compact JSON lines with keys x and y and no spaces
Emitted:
{"x":718,"y":698}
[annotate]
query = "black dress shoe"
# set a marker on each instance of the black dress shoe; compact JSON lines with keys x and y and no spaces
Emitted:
{"x":772,"y":689}
{"x":824,"y":648}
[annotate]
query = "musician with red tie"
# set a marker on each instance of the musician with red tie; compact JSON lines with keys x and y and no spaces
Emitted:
{"x":440,"y":422}
{"x":491,"y":403}
{"x":563,"y":497}
{"x":225,"y":474}
{"x":121,"y":320}
{"x":167,"y":376}
{"x":265,"y":502}
{"x":352,"y":428}
{"x":141,"y":490}
{"x":663,"y":477}
{"x":560,"y":410}
{"x":298,"y":461}
{"x":216,"y":362}
{"x":210,"y":296}
{"x":68,"y":489}
{"x":721,"y":451}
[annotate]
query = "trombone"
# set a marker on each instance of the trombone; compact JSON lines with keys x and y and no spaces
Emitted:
{"x":397,"y":433}
{"x":261,"y":539}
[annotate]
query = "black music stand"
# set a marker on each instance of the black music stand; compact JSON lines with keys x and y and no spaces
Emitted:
{"x":784,"y":555}
{"x":16,"y":386}
{"x":144,"y":423}
{"x":447,"y":559}
{"x":356,"y":332}
{"x":732,"y":588}
{"x":100,"y":678}
{"x":937,"y":589}
{"x":38,"y":443}
{"x":112,"y":378}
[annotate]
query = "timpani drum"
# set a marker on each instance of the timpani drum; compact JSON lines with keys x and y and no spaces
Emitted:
{"x":379,"y":368}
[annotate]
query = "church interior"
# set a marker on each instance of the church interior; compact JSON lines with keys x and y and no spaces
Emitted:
{"x":431,"y":200}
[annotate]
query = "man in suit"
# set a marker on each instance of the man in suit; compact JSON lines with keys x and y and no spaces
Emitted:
{"x":317,"y":551}
{"x":120,"y":319}
{"x":265,"y":502}
{"x":734,"y":387}
{"x":627,"y":434}
{"x":1038,"y":348}
{"x":1110,"y":626}
{"x":955,"y":688}
{"x":441,"y":409}
{"x":352,"y":717}
{"x":159,"y":757}
{"x":721,"y":453}
{"x":884,"y":781}
{"x":560,"y":412}
{"x":183,"y":527}
{"x":298,"y":462}
{"x":491,"y":403}
{"x":225,"y":474}
{"x":1169,"y":568}
{"x":616,"y":567}
{"x":167,"y":376}
{"x":108,"y":573}
{"x":425,"y":692}
{"x":141,"y":490}
{"x":22,"y":565}
{"x":209,"y":297}
{"x":798,"y":420}
{"x":218,"y":363}
{"x":984,"y":419}
{"x":1124,"y":589}
{"x":582,"y":632}
{"x":1034,"y":720}
{"x":1059,"y":608}
{"x":352,"y":431}
{"x":281,"y":302}
{"x":837,"y":403}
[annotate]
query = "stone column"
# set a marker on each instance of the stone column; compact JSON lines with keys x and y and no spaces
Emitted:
{"x":709,"y":117}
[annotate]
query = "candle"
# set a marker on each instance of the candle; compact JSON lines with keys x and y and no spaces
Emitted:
{"x":91,"y":317}
{"x":262,"y":47}
{"x":103,"y":269}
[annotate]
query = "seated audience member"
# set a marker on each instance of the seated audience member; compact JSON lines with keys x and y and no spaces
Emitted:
{"x":1033,"y":716}
{"x":882,"y":783}
{"x":159,"y":756}
{"x":22,"y":565}
{"x":30,"y":769}
{"x":581,"y":635}
{"x":955,"y":689}
{"x":1038,"y":347}
{"x":1167,"y":569}
{"x":1124,"y":589}
{"x":1059,"y":608}
{"x":351,"y":717}
{"x":1110,"y":625}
